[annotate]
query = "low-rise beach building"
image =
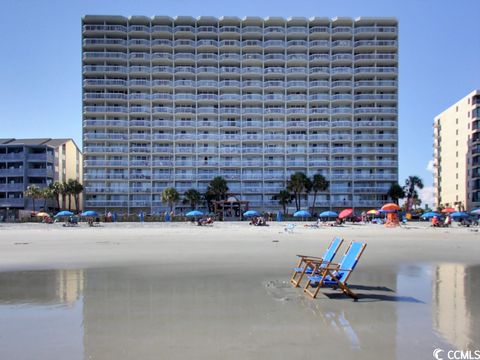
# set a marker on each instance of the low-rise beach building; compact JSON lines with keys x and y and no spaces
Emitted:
{"x":38,"y":162}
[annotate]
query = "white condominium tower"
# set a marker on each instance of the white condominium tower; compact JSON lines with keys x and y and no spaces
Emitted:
{"x":174,"y":102}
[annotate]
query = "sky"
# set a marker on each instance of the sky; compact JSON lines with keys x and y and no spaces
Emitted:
{"x":40,"y":66}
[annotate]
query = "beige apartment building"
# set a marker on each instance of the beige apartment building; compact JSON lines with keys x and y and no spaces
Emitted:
{"x":456,"y":150}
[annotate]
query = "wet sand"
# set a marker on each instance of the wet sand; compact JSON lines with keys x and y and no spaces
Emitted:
{"x":178,"y":291}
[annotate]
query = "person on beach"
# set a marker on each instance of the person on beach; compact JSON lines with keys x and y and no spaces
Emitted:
{"x":448,"y":221}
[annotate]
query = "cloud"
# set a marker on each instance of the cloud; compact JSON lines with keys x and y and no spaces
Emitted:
{"x":430,"y":166}
{"x":427,"y":196}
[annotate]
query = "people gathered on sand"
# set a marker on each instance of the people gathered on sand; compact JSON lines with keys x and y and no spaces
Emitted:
{"x":205,"y":221}
{"x":258,"y":221}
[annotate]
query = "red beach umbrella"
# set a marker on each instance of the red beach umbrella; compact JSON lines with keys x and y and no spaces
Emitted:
{"x":390,"y":207}
{"x":345,"y":213}
{"x":448,"y":210}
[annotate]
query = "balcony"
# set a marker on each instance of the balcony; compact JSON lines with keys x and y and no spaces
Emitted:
{"x":105,"y":28}
{"x":252,"y":30}
{"x":12,"y":157}
{"x":40,"y":157}
{"x":105,"y":136}
{"x":376,"y":137}
{"x":161,"y":30}
{"x":106,"y":203}
{"x":90,"y":55}
{"x":104,"y":82}
{"x":375,"y":110}
{"x":12,"y":202}
{"x":342,"y":44}
{"x":375,"y":43}
{"x":229,"y":30}
{"x":376,"y":97}
{"x":103,"y":163}
{"x":16,"y":187}
{"x":40,"y":172}
{"x":373,"y":83}
{"x":162,"y":110}
{"x":376,"y":30}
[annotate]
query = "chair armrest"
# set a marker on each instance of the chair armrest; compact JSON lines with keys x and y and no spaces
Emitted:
{"x":310,"y":257}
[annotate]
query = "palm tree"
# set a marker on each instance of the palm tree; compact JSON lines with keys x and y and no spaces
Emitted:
{"x":395,"y":193}
{"x":32,"y":192}
{"x":56,"y":189}
{"x":192,"y":197}
{"x":46,"y":194}
{"x":65,"y":191}
{"x":412,"y":183}
{"x":218,"y":188}
{"x":319,"y":184}
{"x":416,"y":202}
{"x":76,"y":188}
{"x":284,"y":198}
{"x":297,"y":186}
{"x":170,"y":196}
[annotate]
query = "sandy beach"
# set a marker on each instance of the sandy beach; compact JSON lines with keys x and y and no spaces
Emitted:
{"x":179,"y":291}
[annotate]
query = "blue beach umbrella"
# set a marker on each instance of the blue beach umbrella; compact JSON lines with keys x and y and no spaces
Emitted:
{"x":251,"y":213}
{"x":429,"y":215}
{"x":89,"y":213}
{"x":64,"y":213}
{"x":475,"y":212}
{"x":458,"y":215}
{"x":302,"y":213}
{"x":194,"y":213}
{"x":328,"y":214}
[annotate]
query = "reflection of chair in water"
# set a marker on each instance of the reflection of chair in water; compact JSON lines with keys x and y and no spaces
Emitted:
{"x":307,"y":263}
{"x":336,"y":275}
{"x":289,"y":228}
{"x":305,"y":266}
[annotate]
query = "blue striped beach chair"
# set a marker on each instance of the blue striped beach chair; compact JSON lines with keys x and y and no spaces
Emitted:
{"x":306,"y":264}
{"x":336,"y":275}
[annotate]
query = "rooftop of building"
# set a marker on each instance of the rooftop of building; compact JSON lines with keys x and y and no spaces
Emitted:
{"x":227,"y":19}
{"x":36,"y":141}
{"x":469,"y":95}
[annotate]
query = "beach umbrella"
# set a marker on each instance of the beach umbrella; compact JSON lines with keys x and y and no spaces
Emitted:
{"x":64,"y":213}
{"x":475,"y":212}
{"x":345,"y":213}
{"x":429,"y":215}
{"x":194,"y":213}
{"x":448,"y":210}
{"x":328,"y":214}
{"x":458,"y":214}
{"x":302,"y":213}
{"x":390,"y":206}
{"x":42,"y":214}
{"x":372,"y":212}
{"x":251,"y":213}
{"x":89,"y":213}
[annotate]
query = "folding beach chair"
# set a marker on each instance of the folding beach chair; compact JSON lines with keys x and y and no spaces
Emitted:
{"x":306,"y":266}
{"x":336,"y":275}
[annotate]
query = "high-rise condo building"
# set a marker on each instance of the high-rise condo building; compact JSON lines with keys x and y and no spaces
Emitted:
{"x":457,"y":154}
{"x":174,"y":102}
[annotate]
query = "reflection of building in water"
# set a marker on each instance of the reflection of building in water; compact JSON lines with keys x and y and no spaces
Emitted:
{"x":41,"y":287}
{"x":70,"y":285}
{"x":455,"y":294}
